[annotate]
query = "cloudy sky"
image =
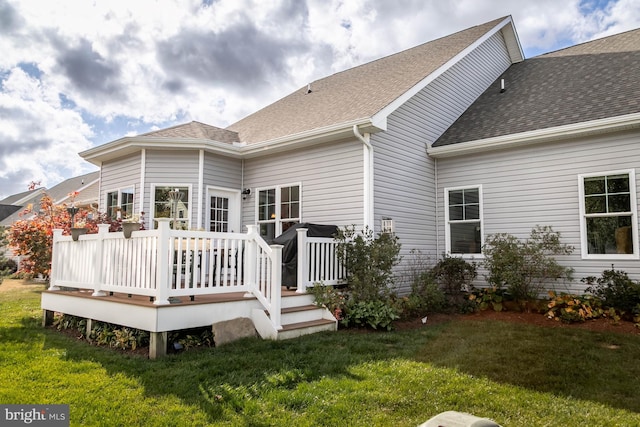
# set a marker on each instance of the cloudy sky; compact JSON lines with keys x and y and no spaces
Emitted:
{"x":77,"y":73}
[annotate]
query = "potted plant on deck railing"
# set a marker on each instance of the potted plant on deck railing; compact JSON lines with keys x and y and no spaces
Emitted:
{"x":77,"y":230}
{"x":131,"y":224}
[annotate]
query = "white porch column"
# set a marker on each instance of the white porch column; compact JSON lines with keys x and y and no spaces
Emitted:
{"x":163,"y":262}
{"x":103,"y":229}
{"x":303,"y":265}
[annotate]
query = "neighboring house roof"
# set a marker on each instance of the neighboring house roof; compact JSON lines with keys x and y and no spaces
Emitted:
{"x":7,"y":210}
{"x":360,"y":92}
{"x":20,"y":199}
{"x":196,"y":130}
{"x":86,"y":185}
{"x":363,"y":96}
{"x":590,"y":82}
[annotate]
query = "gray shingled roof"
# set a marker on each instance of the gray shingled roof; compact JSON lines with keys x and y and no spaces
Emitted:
{"x":357,"y":93}
{"x":590,"y":81}
{"x":60,"y":191}
{"x":196,"y":130}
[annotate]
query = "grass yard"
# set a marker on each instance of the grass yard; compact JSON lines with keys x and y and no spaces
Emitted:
{"x":516,"y":374}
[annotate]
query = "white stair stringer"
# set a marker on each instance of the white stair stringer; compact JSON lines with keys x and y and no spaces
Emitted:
{"x":299,"y":317}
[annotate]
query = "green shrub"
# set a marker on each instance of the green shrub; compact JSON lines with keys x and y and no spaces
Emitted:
{"x":526,"y":268}
{"x":616,"y":290}
{"x":330,"y":297}
{"x":454,"y":276}
{"x":425,"y":297}
{"x":374,"y":314}
{"x":369,"y":262}
{"x":488,"y":298}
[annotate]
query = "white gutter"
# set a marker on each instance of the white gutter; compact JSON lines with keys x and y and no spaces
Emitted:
{"x":574,"y":130}
{"x":368,"y":177}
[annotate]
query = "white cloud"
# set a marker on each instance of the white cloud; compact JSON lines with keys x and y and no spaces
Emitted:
{"x":127,"y":66}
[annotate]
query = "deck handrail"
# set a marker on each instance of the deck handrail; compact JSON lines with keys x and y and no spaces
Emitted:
{"x":164,"y":264}
{"x":318,"y":261}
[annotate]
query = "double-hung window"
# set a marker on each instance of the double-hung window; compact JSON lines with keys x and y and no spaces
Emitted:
{"x":278,"y":209}
{"x":608,"y":215}
{"x":120,"y":203}
{"x":463,"y":217}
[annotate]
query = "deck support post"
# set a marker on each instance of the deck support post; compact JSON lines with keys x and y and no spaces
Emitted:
{"x":157,"y":344}
{"x":47,"y":318}
{"x":303,"y":267}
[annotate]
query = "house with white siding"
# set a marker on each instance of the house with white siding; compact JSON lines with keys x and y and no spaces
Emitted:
{"x":445,"y":143}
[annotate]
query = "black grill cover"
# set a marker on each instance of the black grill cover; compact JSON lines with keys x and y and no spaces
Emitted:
{"x":289,"y":239}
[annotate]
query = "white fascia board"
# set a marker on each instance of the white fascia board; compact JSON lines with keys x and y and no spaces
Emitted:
{"x":334,"y":132}
{"x":593,"y":127}
{"x":381,"y":116}
{"x":129,"y":145}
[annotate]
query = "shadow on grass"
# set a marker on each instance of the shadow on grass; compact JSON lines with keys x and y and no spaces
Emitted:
{"x":234,"y":376}
{"x":232,"y":379}
{"x":593,"y":366}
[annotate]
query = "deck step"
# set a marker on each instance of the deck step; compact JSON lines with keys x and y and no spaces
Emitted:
{"x":294,"y":330}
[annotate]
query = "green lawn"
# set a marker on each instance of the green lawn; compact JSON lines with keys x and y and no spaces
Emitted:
{"x":519,"y":375}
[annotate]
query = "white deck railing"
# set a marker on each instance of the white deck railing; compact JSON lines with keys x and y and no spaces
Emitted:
{"x":318,"y":261}
{"x":166,"y":263}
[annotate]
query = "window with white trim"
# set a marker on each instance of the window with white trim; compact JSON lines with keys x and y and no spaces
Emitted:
{"x":172,"y":201}
{"x":278,"y":209}
{"x":120,"y":203}
{"x":608,"y":215}
{"x":463,"y":216}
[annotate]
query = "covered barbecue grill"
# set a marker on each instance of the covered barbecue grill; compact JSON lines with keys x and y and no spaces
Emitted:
{"x":289,"y":239}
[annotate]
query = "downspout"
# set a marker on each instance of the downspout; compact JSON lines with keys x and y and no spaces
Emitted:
{"x":435,"y":180}
{"x":200,"y":189}
{"x":143,"y":167}
{"x":368,"y":177}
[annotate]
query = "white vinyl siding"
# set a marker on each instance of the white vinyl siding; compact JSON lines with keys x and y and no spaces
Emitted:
{"x":121,"y":175}
{"x":404,"y":175}
{"x":172,"y":169}
{"x":608,"y":223}
{"x":330,"y":178}
{"x":537,"y":185}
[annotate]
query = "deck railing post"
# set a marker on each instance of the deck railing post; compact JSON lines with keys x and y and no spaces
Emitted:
{"x":57,"y":233}
{"x":251,"y":260}
{"x":103,"y":229}
{"x":303,"y":263}
{"x":163,"y":262}
{"x":276,"y":287}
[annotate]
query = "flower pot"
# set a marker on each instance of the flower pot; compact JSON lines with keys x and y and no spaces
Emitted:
{"x":76,"y":232}
{"x":129,"y":227}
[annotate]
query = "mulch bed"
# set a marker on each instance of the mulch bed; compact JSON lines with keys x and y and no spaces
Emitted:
{"x":537,"y":319}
